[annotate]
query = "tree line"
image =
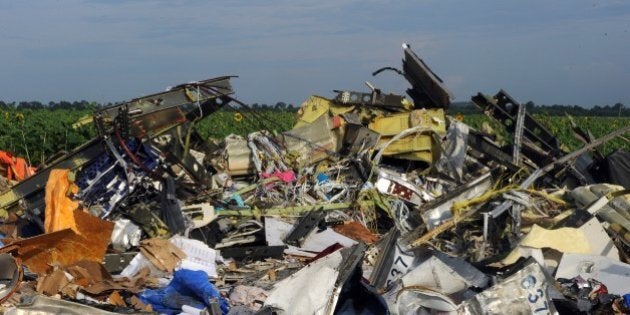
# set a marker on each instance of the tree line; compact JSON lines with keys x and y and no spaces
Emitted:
{"x":464,"y":108}
{"x":617,"y":110}
{"x":63,"y":105}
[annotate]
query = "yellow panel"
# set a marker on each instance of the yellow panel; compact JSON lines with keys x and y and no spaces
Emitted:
{"x":416,"y":156}
{"x":321,"y":142}
{"x":407,"y":144}
{"x":394,"y":124}
{"x":8,"y":197}
{"x":313,"y":108}
{"x":338,"y":109}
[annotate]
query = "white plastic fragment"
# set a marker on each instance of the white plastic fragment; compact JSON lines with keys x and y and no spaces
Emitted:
{"x":198,"y":255}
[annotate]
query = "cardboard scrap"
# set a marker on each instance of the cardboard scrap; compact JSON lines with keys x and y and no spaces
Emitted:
{"x":162,"y":253}
{"x":91,"y":277}
{"x":138,"y":305}
{"x":52,"y":283}
{"x":116,"y":299}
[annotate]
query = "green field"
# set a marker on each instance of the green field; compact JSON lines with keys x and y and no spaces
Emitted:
{"x":38,"y":134}
{"x":560,"y":126}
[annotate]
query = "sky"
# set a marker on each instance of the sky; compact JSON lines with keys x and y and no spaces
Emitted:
{"x":546,"y":51}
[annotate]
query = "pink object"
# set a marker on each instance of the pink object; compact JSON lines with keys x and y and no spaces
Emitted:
{"x":286,"y":176}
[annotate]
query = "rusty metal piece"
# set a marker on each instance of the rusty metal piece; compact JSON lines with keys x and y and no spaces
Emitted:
{"x":356,"y":231}
{"x":65,"y":247}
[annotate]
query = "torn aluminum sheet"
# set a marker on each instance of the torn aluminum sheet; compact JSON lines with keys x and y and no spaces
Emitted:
{"x":446,"y":274}
{"x":614,"y":274}
{"x":245,"y":233}
{"x":315,"y":242}
{"x":125,"y":235}
{"x":394,"y":260}
{"x":525,"y":292}
{"x":438,"y":211}
{"x":420,"y":300}
{"x":393,"y":183}
{"x":594,"y":197}
{"x":391,"y":260}
{"x":312,"y":143}
{"x":10,"y":275}
{"x":357,"y":137}
{"x":43,"y":305}
{"x":437,"y":284}
{"x":599,"y":241}
{"x":451,"y":161}
{"x":266,"y":153}
{"x":299,"y":294}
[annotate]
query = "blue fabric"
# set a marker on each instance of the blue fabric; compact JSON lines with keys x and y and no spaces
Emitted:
{"x":626,"y":300}
{"x":322,"y":177}
{"x":188,"y":287}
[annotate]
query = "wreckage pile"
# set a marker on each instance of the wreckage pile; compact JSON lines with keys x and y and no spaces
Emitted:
{"x":372,"y":204}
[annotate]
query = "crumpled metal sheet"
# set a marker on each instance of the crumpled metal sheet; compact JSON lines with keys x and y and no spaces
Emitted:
{"x":10,"y":275}
{"x":43,"y":305}
{"x":125,"y":235}
{"x":322,"y":143}
{"x":439,"y":283}
{"x":525,"y":292}
{"x":614,"y":274}
{"x":452,"y":160}
{"x":299,"y":294}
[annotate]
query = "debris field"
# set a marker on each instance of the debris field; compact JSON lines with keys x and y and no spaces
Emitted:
{"x":374,"y":203}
